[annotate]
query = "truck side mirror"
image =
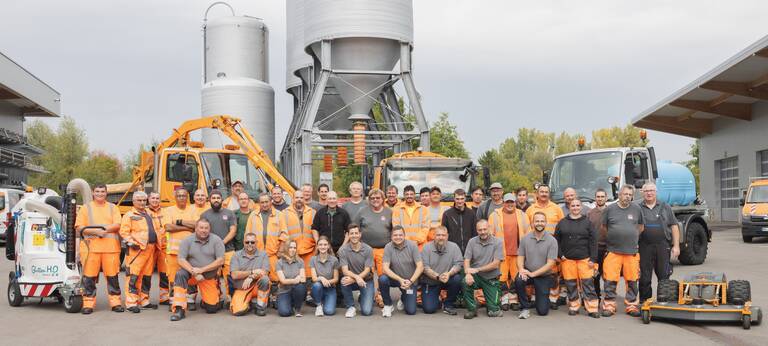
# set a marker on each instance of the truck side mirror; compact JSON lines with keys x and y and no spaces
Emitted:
{"x":629,"y":170}
{"x":614,"y":182}
{"x":545,"y":177}
{"x":741,"y":201}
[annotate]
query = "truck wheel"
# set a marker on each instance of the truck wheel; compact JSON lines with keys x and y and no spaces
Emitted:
{"x":757,"y":321}
{"x":667,"y":291}
{"x":14,"y":293}
{"x":646,"y":316}
{"x":73,"y":304}
{"x":746,"y":321}
{"x":739,"y":292}
{"x":694,"y":250}
{"x":746,"y":238}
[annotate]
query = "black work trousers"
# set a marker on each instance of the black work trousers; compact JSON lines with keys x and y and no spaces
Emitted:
{"x":654,"y":257}
{"x":601,"y":251}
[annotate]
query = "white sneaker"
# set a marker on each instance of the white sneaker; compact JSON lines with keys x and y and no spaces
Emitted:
{"x":386,"y":311}
{"x":524,"y":314}
{"x":319,"y":311}
{"x":351,"y":312}
{"x":400,"y":306}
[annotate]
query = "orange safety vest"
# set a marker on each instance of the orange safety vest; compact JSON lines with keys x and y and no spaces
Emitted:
{"x":231,"y":199}
{"x":553,"y":211}
{"x":303,"y":235}
{"x":276,"y":231}
{"x":158,"y":214}
{"x":170,"y":215}
{"x":110,"y":242}
{"x":434,"y":223}
{"x":496,"y":222}
{"x":416,"y":225}
{"x":134,"y":229}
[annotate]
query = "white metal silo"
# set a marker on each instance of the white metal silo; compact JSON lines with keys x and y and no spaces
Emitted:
{"x":246,"y":98}
{"x":236,"y":77}
{"x":297,"y":60}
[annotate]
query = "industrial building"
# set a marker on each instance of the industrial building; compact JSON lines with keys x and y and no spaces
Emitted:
{"x":727,"y":110}
{"x":22,"y":95}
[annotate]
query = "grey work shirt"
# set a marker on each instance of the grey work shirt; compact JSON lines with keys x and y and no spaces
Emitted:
{"x":324,"y":268}
{"x":481,"y":214}
{"x":622,"y":235}
{"x":220,"y":222}
{"x":290,"y":271}
{"x":200,"y":253}
{"x":315,"y":205}
{"x":440,"y":260}
{"x":374,"y":227}
{"x":480,"y":253}
{"x":402,"y":260}
{"x":356,"y":261}
{"x":242,"y":262}
{"x":537,"y":251}
{"x":658,"y":222}
{"x":353,"y":208}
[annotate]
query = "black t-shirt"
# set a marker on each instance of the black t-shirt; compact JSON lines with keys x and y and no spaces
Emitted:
{"x":332,"y":224}
{"x":657,"y":223}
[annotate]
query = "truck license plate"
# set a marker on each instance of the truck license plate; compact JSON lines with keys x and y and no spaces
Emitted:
{"x":38,"y":239}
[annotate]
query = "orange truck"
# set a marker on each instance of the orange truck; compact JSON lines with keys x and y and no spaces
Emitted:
{"x":754,"y":210}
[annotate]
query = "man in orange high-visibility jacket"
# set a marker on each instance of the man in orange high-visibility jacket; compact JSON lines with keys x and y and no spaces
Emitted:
{"x":143,"y":234}
{"x":412,"y":217}
{"x":271,"y":230}
{"x":302,"y":215}
{"x":554,"y":214}
{"x":100,"y":249}
{"x":509,"y":224}
{"x":201,"y":257}
{"x":179,"y":223}
{"x":434,"y":211}
{"x":153,"y":208}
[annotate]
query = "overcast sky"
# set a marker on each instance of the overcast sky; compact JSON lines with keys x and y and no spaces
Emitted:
{"x":129,"y":71}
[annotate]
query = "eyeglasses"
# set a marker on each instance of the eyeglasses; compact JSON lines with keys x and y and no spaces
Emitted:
{"x":249,"y":242}
{"x":141,"y":200}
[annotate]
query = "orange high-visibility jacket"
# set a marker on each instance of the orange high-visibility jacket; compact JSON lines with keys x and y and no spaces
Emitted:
{"x":170,"y":215}
{"x":303,"y":235}
{"x":92,"y":214}
{"x":496,"y":222}
{"x":161,"y":219}
{"x":134,"y":229}
{"x":434,"y":223}
{"x":277,"y":230}
{"x":231,"y":199}
{"x":416,"y":225}
{"x":553,"y":211}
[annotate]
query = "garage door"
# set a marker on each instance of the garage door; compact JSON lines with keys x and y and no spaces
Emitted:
{"x":729,"y":189}
{"x":763,"y":157}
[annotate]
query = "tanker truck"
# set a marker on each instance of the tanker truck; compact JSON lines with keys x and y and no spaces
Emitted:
{"x":609,"y":169}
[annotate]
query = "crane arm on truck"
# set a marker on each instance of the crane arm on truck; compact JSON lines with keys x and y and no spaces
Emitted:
{"x":228,"y":126}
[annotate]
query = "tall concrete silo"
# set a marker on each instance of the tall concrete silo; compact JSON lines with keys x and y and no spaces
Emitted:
{"x":236,"y":77}
{"x":356,"y":46}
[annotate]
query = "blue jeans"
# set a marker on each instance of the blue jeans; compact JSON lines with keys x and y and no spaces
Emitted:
{"x":409,"y":300}
{"x":366,"y":296}
{"x":541,"y":286}
{"x":430,"y":294}
{"x":325,"y":296}
{"x":291,"y":301}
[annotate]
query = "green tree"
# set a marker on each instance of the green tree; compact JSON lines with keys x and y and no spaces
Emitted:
{"x":693,"y":163}
{"x":65,"y":150}
{"x":615,"y":136}
{"x":101,"y":168}
{"x":445,"y":140}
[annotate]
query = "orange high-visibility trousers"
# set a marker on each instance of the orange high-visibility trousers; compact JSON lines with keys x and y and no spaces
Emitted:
{"x":172,"y":267}
{"x":162,"y":273}
{"x":579,"y":276}
{"x":306,"y":257}
{"x":244,"y":299}
{"x":508,"y":270}
{"x":208,"y":288}
{"x":273,"y":268}
{"x":225,"y":271}
{"x":616,"y":265}
{"x":96,"y":262}
{"x":140,"y":263}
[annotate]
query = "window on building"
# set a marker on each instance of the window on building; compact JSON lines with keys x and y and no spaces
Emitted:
{"x":762,"y":159}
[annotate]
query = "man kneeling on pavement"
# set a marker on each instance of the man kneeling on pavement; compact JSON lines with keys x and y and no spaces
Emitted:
{"x":536,"y":257}
{"x":250,"y":276}
{"x":201,"y":255}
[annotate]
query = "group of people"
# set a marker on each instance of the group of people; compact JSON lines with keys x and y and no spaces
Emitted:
{"x":504,"y":252}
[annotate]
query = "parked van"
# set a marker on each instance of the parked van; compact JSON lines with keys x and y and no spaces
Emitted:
{"x":754,"y":211}
{"x":8,"y":199}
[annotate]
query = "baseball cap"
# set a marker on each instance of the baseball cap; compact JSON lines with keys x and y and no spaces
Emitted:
{"x":496,"y":186}
{"x":509,"y":197}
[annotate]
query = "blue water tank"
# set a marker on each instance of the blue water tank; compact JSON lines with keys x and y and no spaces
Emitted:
{"x":676,"y":184}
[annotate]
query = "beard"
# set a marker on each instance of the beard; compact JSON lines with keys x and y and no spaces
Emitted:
{"x":216,"y":206}
{"x":539,"y":228}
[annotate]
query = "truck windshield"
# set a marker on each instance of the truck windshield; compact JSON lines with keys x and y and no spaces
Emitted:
{"x":230,"y":168}
{"x":585,"y":173}
{"x":447,"y":180}
{"x":758,"y":194}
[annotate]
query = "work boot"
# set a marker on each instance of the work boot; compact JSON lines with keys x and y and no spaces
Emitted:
{"x":594,"y":315}
{"x":165,"y":302}
{"x":449,"y":310}
{"x":118,"y":308}
{"x":634,"y":313}
{"x":561,"y":301}
{"x":470,"y":314}
{"x":149,"y":306}
{"x":514,"y":306}
{"x":86,"y":311}
{"x":191,"y":306}
{"x":259,"y":311}
{"x":495,"y":313}
{"x":554,"y":306}
{"x":505,"y":302}
{"x":310,"y":301}
{"x":134,"y":309}
{"x":178,"y":315}
{"x":607,"y":313}
{"x":573,"y":312}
